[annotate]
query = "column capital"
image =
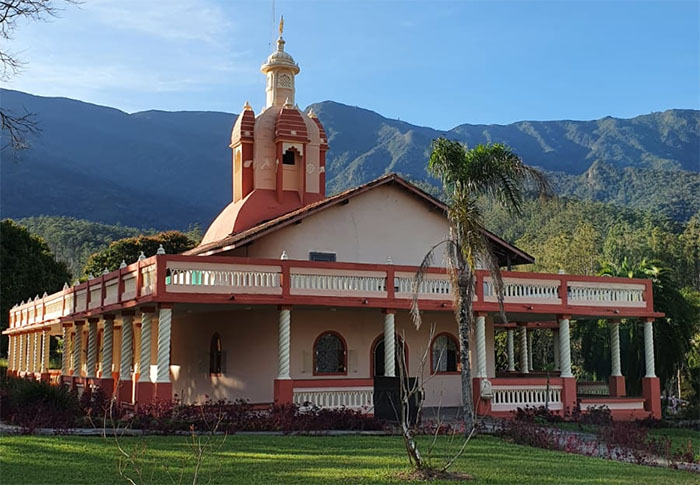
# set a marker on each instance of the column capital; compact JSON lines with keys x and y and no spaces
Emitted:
{"x":649,"y":319}
{"x":127,"y":313}
{"x":110,"y":316}
{"x":564,"y":317}
{"x":147,"y":309}
{"x":165,"y":306}
{"x":284,"y":307}
{"x":389,"y":311}
{"x":481,"y":314}
{"x":79,"y":323}
{"x":93,"y":320}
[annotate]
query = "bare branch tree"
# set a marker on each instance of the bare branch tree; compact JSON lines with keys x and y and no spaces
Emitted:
{"x":16,"y":128}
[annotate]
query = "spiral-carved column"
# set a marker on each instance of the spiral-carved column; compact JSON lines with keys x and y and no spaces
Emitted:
{"x":481,"y":346}
{"x":126,"y":354}
{"x":107,"y":348}
{"x":615,"y":349}
{"x":46,"y":344}
{"x":65,"y":356}
{"x":78,"y":349}
{"x":284,"y":344}
{"x":165,"y":317}
{"x":389,"y":345}
{"x":92,"y":348}
{"x":649,"y":348}
{"x":145,"y":359}
{"x":523,"y":350}
{"x":564,"y":348}
{"x":36,"y":355}
{"x":511,"y":350}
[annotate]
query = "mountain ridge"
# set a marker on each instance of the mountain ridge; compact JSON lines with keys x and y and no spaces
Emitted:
{"x":160,"y":169}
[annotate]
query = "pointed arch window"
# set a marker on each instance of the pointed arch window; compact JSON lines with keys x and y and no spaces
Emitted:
{"x":215,"y":353}
{"x":330,"y":355}
{"x":444,"y":354}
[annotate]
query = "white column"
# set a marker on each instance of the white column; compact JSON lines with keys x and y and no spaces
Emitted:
{"x":10,"y":350}
{"x":36,"y":362}
{"x":145,"y":351}
{"x":46,"y":341}
{"x":649,"y":348}
{"x":284,"y":344}
{"x":389,"y":345}
{"x":107,"y":348}
{"x":126,"y":355}
{"x":78,"y":350}
{"x":92,"y":349}
{"x":529,"y":349}
{"x":511,"y":350}
{"x":555,"y":345}
{"x":30,"y":353}
{"x":480,"y":346}
{"x":615,"y":349}
{"x":523,"y":350}
{"x":564,"y":348}
{"x":65,"y":356}
{"x":165,"y":317}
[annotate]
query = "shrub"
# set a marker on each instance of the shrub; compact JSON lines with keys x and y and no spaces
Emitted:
{"x":34,"y":404}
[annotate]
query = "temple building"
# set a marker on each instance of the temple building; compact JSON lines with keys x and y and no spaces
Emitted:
{"x":296,"y":296}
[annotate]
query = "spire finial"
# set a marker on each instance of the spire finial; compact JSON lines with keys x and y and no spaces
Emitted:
{"x":247,"y":106}
{"x":281,"y":24}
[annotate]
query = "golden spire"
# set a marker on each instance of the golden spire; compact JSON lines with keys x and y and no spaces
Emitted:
{"x":281,"y":24}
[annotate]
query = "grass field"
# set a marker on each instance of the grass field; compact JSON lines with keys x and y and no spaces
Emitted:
{"x":304,"y":459}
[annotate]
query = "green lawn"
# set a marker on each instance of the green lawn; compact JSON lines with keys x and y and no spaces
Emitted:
{"x":305,"y":459}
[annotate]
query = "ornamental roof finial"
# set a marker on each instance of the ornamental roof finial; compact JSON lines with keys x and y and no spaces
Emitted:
{"x":281,"y":28}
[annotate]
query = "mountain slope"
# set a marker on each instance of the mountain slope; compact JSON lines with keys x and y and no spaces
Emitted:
{"x":170,"y":169}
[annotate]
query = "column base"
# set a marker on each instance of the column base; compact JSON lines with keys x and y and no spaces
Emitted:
{"x":125,"y":391}
{"x":284,"y":391}
{"x":569,"y":398}
{"x":45,"y":377}
{"x":482,"y":406}
{"x":163,"y":391}
{"x":651,"y":390}
{"x":144,"y":392}
{"x":616,"y":386}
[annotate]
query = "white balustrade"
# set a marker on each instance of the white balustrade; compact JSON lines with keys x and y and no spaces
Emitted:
{"x":522,"y":289}
{"x":225,"y":278}
{"x":426,"y":286}
{"x":593,"y":388}
{"x":621,"y":294}
{"x":148,"y":279}
{"x":333,"y":282}
{"x":512,"y":397}
{"x":336,"y":397}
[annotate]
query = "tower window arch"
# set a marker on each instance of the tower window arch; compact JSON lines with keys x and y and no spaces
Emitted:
{"x":284,"y":81}
{"x":330,"y":354}
{"x":444,"y":354}
{"x":215,"y":352}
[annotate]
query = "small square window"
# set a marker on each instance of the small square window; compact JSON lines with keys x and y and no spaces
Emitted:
{"x":316,"y":256}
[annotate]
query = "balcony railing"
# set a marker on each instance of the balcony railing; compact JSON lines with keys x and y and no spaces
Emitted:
{"x":216,"y":279}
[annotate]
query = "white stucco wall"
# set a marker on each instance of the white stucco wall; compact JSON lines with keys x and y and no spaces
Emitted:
{"x":380,"y":223}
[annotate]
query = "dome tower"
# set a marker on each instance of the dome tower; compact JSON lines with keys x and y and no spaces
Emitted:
{"x":279,"y":156}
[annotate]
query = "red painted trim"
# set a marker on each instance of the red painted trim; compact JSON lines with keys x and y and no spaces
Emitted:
{"x":345,"y":355}
{"x":139,"y":279}
{"x":456,"y":342}
{"x":161,"y":270}
{"x":373,"y":347}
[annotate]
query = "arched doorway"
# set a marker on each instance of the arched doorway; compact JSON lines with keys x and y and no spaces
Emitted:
{"x":377,"y":357}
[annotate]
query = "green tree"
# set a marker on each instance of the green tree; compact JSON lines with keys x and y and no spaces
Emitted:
{"x":493,"y":171}
{"x":28,"y":269}
{"x":128,"y":250}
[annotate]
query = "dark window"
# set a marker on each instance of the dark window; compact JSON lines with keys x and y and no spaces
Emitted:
{"x":313,"y":256}
{"x":444,"y":354}
{"x":288,"y":157}
{"x":215,"y":355}
{"x":329,"y":353}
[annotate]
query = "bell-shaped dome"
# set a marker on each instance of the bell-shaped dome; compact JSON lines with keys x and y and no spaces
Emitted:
{"x":280,"y":58}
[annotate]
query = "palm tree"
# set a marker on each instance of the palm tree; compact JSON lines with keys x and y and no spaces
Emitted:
{"x":494,"y":171}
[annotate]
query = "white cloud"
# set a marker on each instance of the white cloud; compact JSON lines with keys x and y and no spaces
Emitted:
{"x":185,"y":20}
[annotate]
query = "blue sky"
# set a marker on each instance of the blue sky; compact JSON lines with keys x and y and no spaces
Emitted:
{"x":434,"y":63}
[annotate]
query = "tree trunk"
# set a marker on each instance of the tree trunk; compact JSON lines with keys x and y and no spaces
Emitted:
{"x":465,"y":317}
